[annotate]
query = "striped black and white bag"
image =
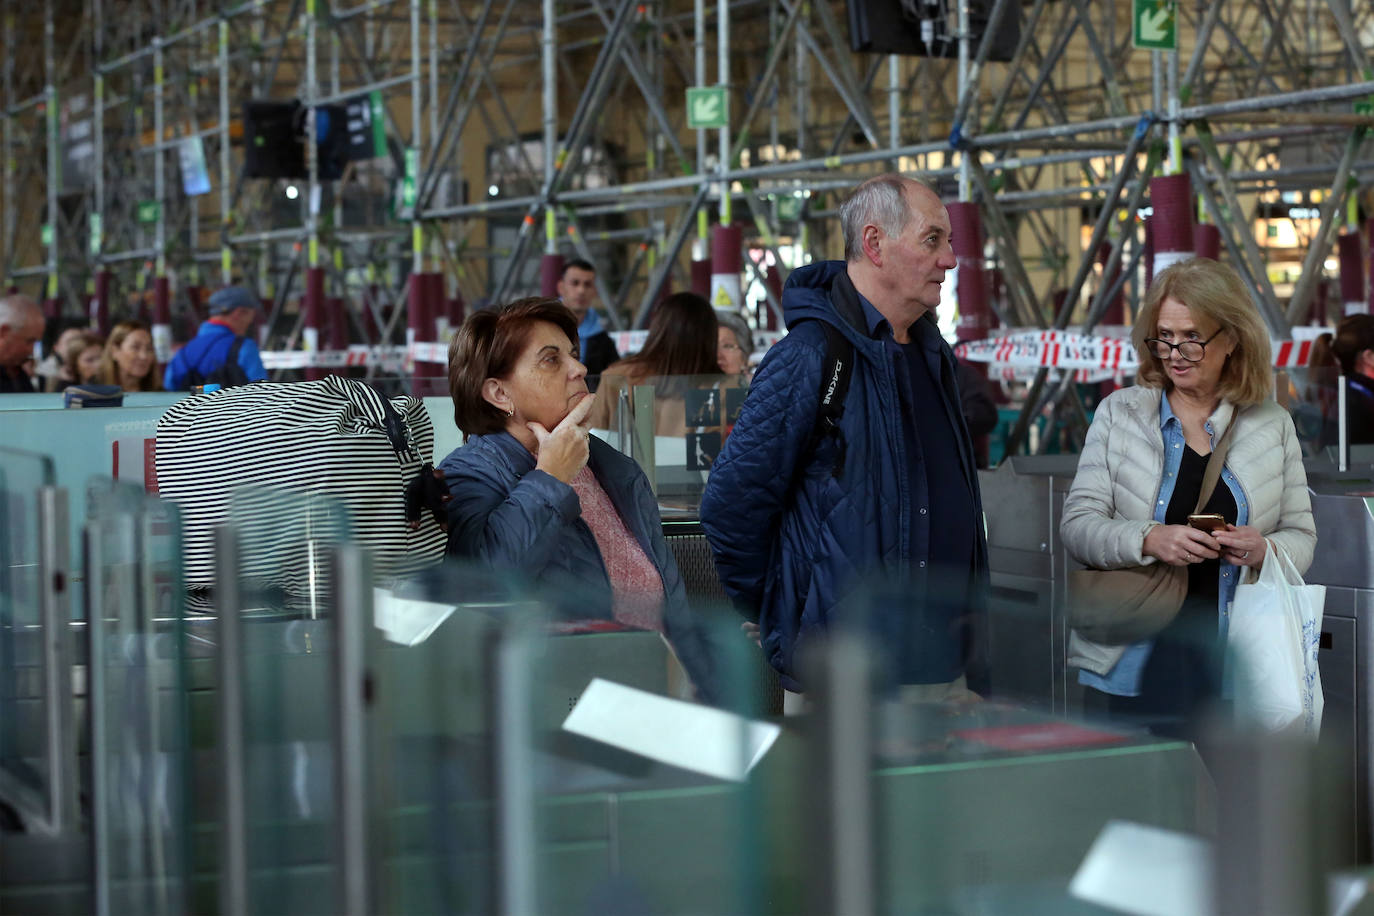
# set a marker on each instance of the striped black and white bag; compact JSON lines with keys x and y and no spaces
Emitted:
{"x":297,"y":466}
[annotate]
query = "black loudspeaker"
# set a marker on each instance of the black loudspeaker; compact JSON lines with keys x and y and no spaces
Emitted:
{"x":272,"y":142}
{"x":928,"y":28}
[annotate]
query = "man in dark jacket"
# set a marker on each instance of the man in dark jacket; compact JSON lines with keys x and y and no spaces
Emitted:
{"x":577,"y":289}
{"x":799,"y":524}
{"x":21,"y":326}
{"x":233,"y":310}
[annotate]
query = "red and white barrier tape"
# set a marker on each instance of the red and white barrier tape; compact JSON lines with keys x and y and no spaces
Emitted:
{"x":1067,"y":350}
{"x":1018,"y":350}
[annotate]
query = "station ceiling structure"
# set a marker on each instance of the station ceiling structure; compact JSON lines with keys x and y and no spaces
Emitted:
{"x":465,"y":139}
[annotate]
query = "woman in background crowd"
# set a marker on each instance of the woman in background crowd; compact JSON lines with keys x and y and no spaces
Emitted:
{"x":734,"y":344}
{"x":1204,"y":373}
{"x":129,"y":360}
{"x":682,"y":343}
{"x":80,"y":361}
{"x":50,"y":370}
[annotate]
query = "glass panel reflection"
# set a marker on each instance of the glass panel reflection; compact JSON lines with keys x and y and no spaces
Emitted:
{"x":137,"y":700}
{"x":26,"y":775}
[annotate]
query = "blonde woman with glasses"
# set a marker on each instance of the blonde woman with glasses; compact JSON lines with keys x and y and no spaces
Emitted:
{"x":1205,"y":380}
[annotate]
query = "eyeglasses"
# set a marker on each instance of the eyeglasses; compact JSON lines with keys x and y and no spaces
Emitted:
{"x":1191,"y":350}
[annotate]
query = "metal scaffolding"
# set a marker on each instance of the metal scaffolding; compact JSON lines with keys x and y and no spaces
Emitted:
{"x":506,"y":120}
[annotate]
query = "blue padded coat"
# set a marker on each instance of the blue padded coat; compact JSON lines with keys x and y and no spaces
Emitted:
{"x":507,"y":515}
{"x":790,"y":540}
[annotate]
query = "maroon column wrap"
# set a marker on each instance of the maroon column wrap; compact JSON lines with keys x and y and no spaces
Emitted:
{"x":100,"y":305}
{"x":550,"y":272}
{"x":773,"y":277}
{"x":727,"y":249}
{"x":415,"y":321}
{"x":966,"y":234}
{"x":701,"y":278}
{"x":162,"y":319}
{"x":1172,"y":199}
{"x":1207,"y":241}
{"x":1149,"y":254}
{"x":997,"y":288}
{"x":336,"y":320}
{"x":1317,"y":311}
{"x":1369,"y":237}
{"x":52,"y":309}
{"x":195,"y":295}
{"x":162,"y":301}
{"x":727,"y":262}
{"x":971,"y":290}
{"x":1350,"y":251}
{"x":371,"y":301}
{"x":1115,"y":313}
{"x":424,"y":302}
{"x":313,"y":306}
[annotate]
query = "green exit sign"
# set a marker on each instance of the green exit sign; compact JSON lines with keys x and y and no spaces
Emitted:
{"x":149,"y":211}
{"x":707,"y":107}
{"x":45,"y":235}
{"x":1154,"y":24}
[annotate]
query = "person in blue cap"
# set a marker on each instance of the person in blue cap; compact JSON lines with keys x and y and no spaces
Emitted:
{"x":222,"y":352}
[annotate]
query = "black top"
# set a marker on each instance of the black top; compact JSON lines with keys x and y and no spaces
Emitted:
{"x":1359,"y":409}
{"x":16,"y":381}
{"x":1202,"y":577}
{"x":599,"y":353}
{"x":932,"y":444}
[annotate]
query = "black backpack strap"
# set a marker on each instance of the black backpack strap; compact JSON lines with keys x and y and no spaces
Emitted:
{"x":232,"y":357}
{"x":836,"y":371}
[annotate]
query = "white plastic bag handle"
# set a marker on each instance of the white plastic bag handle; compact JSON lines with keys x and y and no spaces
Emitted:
{"x":1278,"y":567}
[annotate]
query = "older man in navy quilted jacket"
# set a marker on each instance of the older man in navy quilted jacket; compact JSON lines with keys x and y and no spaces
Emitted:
{"x":802,"y":526}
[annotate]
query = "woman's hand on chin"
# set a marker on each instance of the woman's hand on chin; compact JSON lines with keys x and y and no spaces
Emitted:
{"x":563,"y":451}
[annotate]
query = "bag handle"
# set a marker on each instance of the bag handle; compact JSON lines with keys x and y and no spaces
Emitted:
{"x":377,"y":408}
{"x":1212,"y":473}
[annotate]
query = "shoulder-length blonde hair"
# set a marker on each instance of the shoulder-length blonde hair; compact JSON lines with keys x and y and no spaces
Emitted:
{"x":109,"y":371}
{"x":1213,"y":292}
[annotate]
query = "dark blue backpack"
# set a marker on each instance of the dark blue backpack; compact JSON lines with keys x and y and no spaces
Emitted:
{"x":227,"y":375}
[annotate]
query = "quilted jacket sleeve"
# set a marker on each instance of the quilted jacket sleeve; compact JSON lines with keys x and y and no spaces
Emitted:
{"x":1296,"y":531}
{"x":513,"y":529}
{"x":749,"y":482}
{"x":1093,"y":533}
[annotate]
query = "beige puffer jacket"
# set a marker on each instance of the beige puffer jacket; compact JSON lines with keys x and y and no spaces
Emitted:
{"x":1111,"y":505}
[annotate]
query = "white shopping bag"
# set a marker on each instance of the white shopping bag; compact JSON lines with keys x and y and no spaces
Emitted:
{"x":1273,"y":639}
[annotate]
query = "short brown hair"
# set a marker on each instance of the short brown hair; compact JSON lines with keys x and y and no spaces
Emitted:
{"x":487,"y":346}
{"x":1354,"y":335}
{"x":1213,"y":291}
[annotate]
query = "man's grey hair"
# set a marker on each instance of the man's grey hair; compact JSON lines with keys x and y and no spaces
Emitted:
{"x":17,"y":309}
{"x":880,"y":201}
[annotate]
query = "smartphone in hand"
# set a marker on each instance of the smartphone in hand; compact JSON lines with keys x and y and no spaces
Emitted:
{"x":1207,"y":522}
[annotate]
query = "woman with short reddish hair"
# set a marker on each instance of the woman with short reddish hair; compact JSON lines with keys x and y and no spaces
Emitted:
{"x":532,"y":492}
